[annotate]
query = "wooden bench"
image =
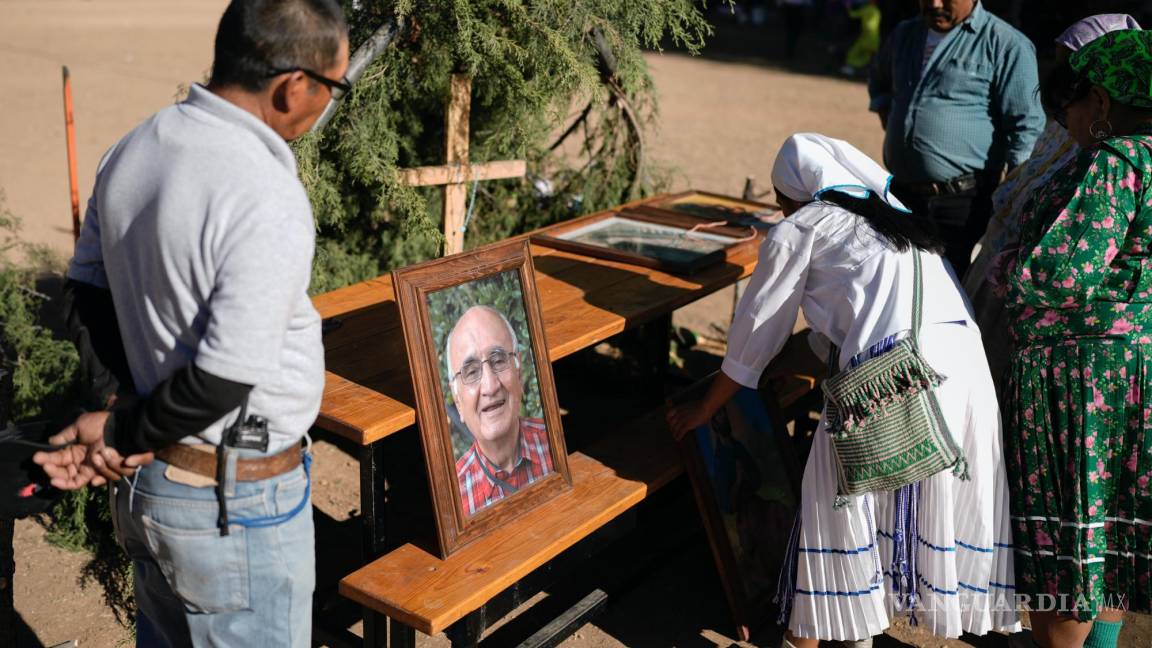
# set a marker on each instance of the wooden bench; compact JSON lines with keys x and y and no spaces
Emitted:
{"x":429,"y":594}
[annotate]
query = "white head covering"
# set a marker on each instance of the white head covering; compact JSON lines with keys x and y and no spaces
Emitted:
{"x":1085,"y":31}
{"x":809,"y":164}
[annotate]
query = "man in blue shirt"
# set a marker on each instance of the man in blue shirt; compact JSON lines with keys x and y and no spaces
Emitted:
{"x":957,"y":93}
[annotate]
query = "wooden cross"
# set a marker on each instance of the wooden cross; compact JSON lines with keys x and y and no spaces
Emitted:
{"x":457,"y":172}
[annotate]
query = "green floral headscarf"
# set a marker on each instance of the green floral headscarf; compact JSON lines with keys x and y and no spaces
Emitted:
{"x":1121,"y":63}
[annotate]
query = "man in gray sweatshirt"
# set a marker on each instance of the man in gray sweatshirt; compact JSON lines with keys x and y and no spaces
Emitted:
{"x":199,"y":235}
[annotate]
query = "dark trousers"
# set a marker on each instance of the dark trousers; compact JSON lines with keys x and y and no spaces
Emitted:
{"x":794,"y":18}
{"x":960,"y":218}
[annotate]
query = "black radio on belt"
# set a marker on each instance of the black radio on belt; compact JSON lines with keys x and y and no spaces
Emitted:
{"x":247,"y":432}
{"x":251,"y":434}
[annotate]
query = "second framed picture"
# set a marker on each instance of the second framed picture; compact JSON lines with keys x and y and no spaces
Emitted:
{"x":715,"y":207}
{"x":485,"y":399}
{"x":745,"y":500}
{"x":666,"y":241}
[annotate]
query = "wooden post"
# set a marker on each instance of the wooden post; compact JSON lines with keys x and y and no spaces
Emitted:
{"x":458,"y":173}
{"x":456,"y":155}
{"x":70,"y":136}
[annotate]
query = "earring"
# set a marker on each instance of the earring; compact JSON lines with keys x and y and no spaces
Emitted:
{"x":1100,"y":129}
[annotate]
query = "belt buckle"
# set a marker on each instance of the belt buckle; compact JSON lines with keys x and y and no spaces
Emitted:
{"x":963,"y":183}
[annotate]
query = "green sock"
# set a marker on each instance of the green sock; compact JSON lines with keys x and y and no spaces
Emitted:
{"x":1104,"y":634}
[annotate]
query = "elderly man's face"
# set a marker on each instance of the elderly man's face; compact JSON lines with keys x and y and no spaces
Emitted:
{"x":943,"y":15}
{"x":490,"y":407}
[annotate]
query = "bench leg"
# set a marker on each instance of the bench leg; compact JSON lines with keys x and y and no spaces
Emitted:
{"x":401,"y":635}
{"x":466,"y":632}
{"x":656,"y":338}
{"x":372,"y":500}
{"x":382,"y":632}
{"x":375,"y":629}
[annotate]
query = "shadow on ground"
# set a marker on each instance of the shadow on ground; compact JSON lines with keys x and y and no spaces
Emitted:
{"x":25,"y":637}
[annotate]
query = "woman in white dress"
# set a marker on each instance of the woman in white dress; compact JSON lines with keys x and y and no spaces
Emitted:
{"x":940,"y":548}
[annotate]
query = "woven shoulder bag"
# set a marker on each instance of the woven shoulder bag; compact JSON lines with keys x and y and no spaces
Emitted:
{"x":885,"y":421}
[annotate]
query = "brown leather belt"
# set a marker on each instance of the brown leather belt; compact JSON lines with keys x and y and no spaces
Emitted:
{"x":202,"y":461}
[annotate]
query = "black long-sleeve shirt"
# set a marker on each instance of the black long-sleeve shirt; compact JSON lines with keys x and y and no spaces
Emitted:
{"x":185,"y":403}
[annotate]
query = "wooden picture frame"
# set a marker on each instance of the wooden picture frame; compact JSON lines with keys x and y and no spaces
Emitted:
{"x":643,"y":242}
{"x":451,"y":311}
{"x":733,"y":463}
{"x":737,"y":212}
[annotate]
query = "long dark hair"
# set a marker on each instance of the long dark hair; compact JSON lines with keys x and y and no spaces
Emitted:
{"x":1063,"y":86}
{"x":903,"y":230}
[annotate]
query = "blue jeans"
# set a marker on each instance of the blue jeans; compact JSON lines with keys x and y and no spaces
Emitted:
{"x":195,"y":587}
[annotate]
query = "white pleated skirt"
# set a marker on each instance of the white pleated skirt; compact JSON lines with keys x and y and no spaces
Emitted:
{"x":964,"y":570}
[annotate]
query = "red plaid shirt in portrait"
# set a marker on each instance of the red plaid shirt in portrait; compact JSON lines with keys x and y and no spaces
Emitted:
{"x":482,"y":484}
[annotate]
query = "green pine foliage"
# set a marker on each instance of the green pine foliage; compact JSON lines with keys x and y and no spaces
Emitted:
{"x":44,"y":370}
{"x":558,"y":83}
{"x":42,"y":367}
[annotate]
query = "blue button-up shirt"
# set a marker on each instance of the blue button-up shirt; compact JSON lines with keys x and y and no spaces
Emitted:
{"x":974,"y":107}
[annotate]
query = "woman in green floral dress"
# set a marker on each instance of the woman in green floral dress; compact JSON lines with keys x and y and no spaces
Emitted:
{"x":1078,"y":426}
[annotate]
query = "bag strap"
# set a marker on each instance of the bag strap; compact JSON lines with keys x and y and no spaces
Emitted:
{"x":917,"y":314}
{"x":917,"y":297}
{"x":833,"y":360}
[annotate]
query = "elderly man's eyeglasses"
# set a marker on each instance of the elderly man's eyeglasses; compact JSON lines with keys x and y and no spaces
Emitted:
{"x":473,"y":370}
{"x":332,"y":84}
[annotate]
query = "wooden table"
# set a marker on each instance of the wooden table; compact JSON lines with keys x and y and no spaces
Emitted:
{"x":368,"y":393}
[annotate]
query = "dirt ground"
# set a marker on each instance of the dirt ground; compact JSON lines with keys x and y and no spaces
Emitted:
{"x":721,"y":121}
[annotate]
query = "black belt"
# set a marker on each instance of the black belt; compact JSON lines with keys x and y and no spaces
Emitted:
{"x":957,"y":185}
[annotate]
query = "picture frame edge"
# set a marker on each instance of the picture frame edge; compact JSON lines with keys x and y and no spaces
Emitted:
{"x":546,"y":237}
{"x":740,"y":605}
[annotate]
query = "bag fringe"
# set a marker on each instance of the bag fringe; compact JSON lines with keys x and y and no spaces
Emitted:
{"x":960,"y":470}
{"x":859,"y":399}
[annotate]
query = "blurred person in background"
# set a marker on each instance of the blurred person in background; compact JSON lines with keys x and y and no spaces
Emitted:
{"x":868,"y":42}
{"x":956,"y":94}
{"x":795,"y":13}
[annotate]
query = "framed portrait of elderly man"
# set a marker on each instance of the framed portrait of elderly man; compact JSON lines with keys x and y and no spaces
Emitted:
{"x":485,"y":399}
